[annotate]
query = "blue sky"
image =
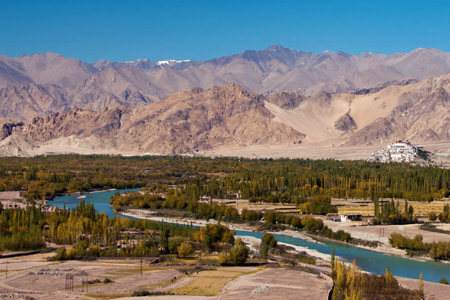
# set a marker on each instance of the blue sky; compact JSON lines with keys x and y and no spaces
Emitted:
{"x":197,"y":29}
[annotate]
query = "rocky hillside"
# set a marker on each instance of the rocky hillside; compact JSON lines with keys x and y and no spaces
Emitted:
{"x":184,"y":122}
{"x":230,"y":116}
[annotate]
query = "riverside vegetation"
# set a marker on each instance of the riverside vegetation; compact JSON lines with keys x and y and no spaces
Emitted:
{"x":416,"y":246}
{"x":259,"y":180}
{"x":93,"y":234}
{"x":306,"y":183}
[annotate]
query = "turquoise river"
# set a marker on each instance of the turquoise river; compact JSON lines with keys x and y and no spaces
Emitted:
{"x":370,"y":261}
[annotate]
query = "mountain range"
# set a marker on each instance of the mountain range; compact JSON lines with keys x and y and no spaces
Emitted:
{"x":42,"y":84}
{"x":229,"y":116}
{"x":274,"y":97}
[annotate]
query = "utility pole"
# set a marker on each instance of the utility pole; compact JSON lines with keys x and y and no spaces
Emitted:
{"x":141,"y":266}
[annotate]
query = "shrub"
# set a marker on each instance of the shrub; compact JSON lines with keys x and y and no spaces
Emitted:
{"x":443,"y":281}
{"x":61,"y":253}
{"x":94,"y":250}
{"x":223,"y":258}
{"x":71,"y":253}
{"x":311,"y":224}
{"x":151,"y":293}
{"x":432,"y":216}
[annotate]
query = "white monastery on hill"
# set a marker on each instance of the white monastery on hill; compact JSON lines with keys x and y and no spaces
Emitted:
{"x":398,"y":151}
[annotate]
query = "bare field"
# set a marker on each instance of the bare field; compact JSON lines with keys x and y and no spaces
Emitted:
{"x":278,"y":283}
{"x":35,"y":277}
{"x":210,"y":283}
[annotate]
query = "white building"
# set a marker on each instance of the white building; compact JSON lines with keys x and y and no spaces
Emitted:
{"x":350,"y":217}
{"x":397,"y":151}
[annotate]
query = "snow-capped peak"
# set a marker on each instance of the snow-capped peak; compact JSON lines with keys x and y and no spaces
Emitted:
{"x":171,"y":62}
{"x":137,"y":60}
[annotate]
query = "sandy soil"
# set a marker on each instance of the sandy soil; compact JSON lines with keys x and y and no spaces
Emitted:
{"x":433,"y":291}
{"x":311,"y":119}
{"x":381,"y":233}
{"x":148,"y":215}
{"x":326,"y":150}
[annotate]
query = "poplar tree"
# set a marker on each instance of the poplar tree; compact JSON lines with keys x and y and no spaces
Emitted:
{"x":332,"y":259}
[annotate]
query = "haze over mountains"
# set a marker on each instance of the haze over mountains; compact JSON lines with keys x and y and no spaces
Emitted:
{"x":272,"y":97}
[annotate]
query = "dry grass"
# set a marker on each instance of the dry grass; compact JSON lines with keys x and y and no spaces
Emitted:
{"x":211,"y":282}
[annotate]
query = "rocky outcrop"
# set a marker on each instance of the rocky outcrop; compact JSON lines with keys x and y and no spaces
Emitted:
{"x":345,"y":123}
{"x":286,"y":100}
{"x":8,"y":128}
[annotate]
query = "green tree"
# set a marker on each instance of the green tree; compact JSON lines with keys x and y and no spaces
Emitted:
{"x":269,"y":217}
{"x":185,"y":249}
{"x":421,"y":285}
{"x":264,"y":251}
{"x":175,"y":242}
{"x":207,"y":238}
{"x":388,"y":276}
{"x":239,"y":253}
{"x":269,"y":239}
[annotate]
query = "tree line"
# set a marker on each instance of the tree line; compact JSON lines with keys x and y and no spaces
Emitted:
{"x":350,"y":283}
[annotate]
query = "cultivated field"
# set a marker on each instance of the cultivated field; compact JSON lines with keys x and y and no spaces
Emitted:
{"x":366,"y":207}
{"x":242,"y":203}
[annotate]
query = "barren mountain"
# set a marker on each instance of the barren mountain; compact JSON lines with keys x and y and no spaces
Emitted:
{"x":43,"y":68}
{"x":229,"y":116}
{"x":184,"y":122}
{"x":418,"y":111}
{"x":68,"y":83}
